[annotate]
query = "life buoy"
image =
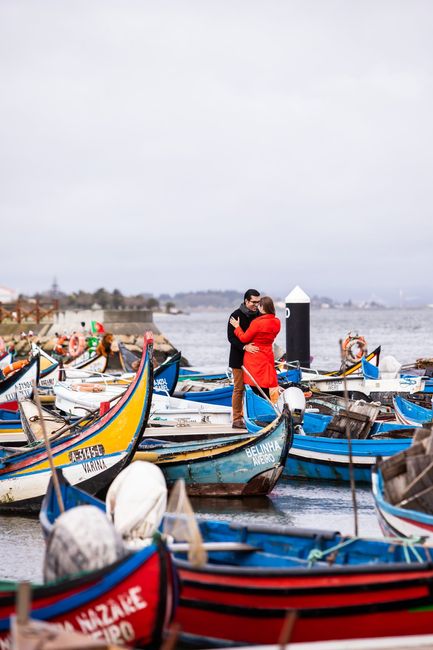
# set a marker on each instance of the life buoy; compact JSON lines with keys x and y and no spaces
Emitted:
{"x":355,"y":347}
{"x":77,"y":345}
{"x":13,"y":367}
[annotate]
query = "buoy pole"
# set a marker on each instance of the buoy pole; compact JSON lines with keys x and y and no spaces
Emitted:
{"x":298,"y":327}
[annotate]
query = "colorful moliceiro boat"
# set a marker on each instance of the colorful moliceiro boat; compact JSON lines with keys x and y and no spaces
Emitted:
{"x":129,"y":602}
{"x":90,"y":455}
{"x":256,"y":576}
{"x":322,"y":457}
{"x":241,"y":465}
{"x":19,"y":384}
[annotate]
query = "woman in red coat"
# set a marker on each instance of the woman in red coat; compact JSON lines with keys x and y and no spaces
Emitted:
{"x":262,"y":333}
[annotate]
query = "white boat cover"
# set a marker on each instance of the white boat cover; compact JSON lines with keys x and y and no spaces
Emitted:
{"x":90,"y":539}
{"x":136,"y":502}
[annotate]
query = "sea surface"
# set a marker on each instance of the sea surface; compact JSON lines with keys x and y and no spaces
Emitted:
{"x":404,"y":334}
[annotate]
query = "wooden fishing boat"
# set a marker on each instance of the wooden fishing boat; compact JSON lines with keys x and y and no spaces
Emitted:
{"x":403,"y":490}
{"x":352,"y":369}
{"x":90,"y":455}
{"x":256,"y":576}
{"x":5,"y":360}
{"x":319,"y":454}
{"x":240,"y":465}
{"x":128,"y":603}
{"x":91,"y":361}
{"x":88,"y":363}
{"x":221,"y":393}
{"x":409,"y":413}
{"x":165,"y":409}
{"x":20,"y":383}
{"x":374,"y":389}
{"x":165,"y":376}
{"x":11,"y":429}
{"x":399,"y":521}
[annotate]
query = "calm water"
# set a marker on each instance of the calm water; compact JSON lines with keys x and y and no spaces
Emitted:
{"x":406,"y":335}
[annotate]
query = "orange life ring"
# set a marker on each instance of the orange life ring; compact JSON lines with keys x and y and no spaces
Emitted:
{"x":13,"y":367}
{"x":77,"y":345}
{"x":355,"y":347}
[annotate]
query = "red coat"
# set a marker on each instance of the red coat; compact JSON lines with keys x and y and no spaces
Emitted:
{"x":262,"y":333}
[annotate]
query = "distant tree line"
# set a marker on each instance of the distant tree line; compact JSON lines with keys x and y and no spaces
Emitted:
{"x":104,"y":299}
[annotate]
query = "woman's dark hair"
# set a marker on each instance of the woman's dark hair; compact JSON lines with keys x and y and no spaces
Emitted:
{"x":251,"y":292}
{"x":268,"y":305}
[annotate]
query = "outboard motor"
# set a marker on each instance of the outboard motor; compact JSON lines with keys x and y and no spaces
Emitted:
{"x":295,"y":400}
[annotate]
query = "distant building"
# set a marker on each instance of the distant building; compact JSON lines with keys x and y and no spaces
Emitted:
{"x":8,"y":295}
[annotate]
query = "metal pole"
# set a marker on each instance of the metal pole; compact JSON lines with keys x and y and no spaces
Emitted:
{"x":349,"y":443}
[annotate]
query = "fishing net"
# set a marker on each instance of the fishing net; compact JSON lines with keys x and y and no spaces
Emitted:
{"x":181,"y":525}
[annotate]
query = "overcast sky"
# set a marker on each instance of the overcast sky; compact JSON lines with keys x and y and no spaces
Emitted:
{"x":180,"y":145}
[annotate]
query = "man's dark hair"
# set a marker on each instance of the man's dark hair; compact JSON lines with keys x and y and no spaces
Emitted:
{"x":251,"y":292}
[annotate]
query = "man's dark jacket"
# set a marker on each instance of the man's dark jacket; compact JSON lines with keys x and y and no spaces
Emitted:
{"x":236,"y":358}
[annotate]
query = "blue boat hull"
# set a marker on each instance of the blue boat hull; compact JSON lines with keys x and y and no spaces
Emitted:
{"x":325,"y":458}
{"x":243,"y":465}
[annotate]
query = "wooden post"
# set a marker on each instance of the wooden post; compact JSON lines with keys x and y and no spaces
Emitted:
{"x":23,"y":602}
{"x":38,"y":311}
{"x":18,"y":312}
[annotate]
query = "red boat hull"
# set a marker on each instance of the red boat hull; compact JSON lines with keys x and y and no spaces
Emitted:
{"x":248,"y":608}
{"x":129,"y":603}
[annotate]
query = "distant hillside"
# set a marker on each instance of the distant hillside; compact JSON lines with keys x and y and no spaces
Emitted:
{"x":204,"y":299}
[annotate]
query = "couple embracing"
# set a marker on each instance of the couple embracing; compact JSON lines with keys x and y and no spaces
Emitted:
{"x":251,"y":331}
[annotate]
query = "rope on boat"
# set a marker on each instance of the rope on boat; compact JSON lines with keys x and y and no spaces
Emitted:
{"x":408,"y":544}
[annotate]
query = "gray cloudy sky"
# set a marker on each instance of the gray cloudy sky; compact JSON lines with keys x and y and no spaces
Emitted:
{"x":175,"y":145}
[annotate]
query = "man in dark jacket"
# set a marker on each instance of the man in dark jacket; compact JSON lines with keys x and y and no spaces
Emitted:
{"x":246,"y":313}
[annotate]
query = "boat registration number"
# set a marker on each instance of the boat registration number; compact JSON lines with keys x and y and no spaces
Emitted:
{"x":86,"y":453}
{"x":334,"y":385}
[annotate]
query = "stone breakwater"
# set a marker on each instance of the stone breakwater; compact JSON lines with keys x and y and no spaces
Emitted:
{"x":162,"y":346}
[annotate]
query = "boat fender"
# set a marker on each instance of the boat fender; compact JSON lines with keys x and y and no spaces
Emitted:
{"x":136,"y":501}
{"x":355,"y":347}
{"x":90,"y":539}
{"x":295,"y":400}
{"x":13,"y":367}
{"x":77,"y":345}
